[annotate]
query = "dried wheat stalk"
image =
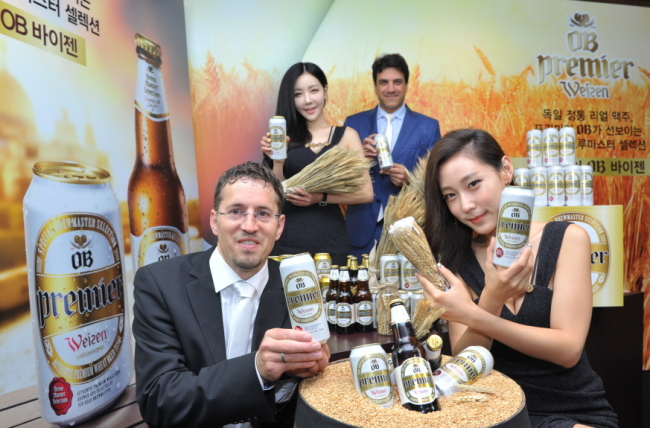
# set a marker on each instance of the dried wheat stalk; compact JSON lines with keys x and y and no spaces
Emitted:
{"x":424,"y":317}
{"x":475,"y":389}
{"x":473,"y":398}
{"x":409,"y":238}
{"x":338,"y":170}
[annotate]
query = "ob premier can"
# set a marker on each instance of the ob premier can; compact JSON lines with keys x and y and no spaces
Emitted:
{"x":304,"y":299}
{"x":522,"y":177}
{"x":513,"y":229}
{"x":278,"y":131}
{"x":572,"y":193}
{"x":416,"y":296}
{"x":587,"y":184}
{"x":370,"y":370}
{"x":472,"y":364}
{"x":538,"y":181}
{"x":384,"y":157}
{"x":555,"y":186}
{"x":323,"y":265}
{"x":389,"y":268}
{"x":81,"y":329}
{"x":567,"y":146}
{"x":534,"y":148}
{"x":550,"y":147}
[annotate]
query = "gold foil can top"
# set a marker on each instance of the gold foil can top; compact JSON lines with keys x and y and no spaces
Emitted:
{"x":367,"y":344}
{"x":278,"y":117}
{"x":148,"y":45}
{"x":71,"y":172}
{"x":324,"y":282}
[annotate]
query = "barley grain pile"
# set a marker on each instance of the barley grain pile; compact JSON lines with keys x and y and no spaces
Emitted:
{"x":332,"y":393}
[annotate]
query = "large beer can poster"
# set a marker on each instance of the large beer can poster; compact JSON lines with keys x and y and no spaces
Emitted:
{"x":69,"y":82}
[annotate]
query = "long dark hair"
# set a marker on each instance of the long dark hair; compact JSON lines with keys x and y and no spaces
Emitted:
{"x":450,"y":240}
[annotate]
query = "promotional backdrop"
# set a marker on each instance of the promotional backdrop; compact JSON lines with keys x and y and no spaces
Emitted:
{"x":506,"y":66}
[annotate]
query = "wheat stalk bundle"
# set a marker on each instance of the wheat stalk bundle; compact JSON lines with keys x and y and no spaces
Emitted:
{"x":339,"y":170}
{"x":474,"y":388}
{"x":409,"y":238}
{"x":424,"y":317}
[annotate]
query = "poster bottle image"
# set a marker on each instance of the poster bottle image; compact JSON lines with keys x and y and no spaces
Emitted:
{"x":157,"y":208}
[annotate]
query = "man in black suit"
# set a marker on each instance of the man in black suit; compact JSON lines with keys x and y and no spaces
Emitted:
{"x":194,"y":366}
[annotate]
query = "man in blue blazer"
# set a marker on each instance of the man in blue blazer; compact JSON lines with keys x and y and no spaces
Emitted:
{"x":411,"y":135}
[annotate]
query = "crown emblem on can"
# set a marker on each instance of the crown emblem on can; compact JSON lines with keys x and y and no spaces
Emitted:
{"x":80,"y":241}
{"x":581,"y":20}
{"x":163,"y":248}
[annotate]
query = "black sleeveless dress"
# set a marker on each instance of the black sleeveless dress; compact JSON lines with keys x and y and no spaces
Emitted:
{"x":556,"y":397}
{"x":313,"y":229}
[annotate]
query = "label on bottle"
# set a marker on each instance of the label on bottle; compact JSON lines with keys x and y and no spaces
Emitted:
{"x":398,"y":314}
{"x":344,"y":314}
{"x":373,"y":379}
{"x":364,"y":312}
{"x":150,"y":92}
{"x":331,"y":311}
{"x":158,"y":243}
{"x":415,"y":382}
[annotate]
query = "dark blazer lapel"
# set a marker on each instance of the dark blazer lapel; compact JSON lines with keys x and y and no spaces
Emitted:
{"x":404,"y":134}
{"x":372,"y":123}
{"x":206,"y":305}
{"x":272,"y":311}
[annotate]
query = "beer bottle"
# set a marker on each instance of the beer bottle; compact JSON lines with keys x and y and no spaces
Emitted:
{"x":344,"y":309}
{"x":354,"y":273}
{"x":363,"y":303}
{"x":157,"y":209}
{"x":330,"y":298}
{"x":365,"y":261}
{"x":413,"y":374}
{"x":433,"y":350}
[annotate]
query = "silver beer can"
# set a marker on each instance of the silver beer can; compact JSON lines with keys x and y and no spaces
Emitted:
{"x":370,"y":370}
{"x":323,"y":264}
{"x":555,"y":186}
{"x":384,"y":157}
{"x":513,"y":228}
{"x":278,"y":131}
{"x":522,"y":177}
{"x":551,"y":147}
{"x":389,"y":268}
{"x":534,"y":148}
{"x":572,"y":191}
{"x":304,"y":299}
{"x":81,"y":328}
{"x":567,"y":146}
{"x":416,"y":296}
{"x":587,"y":185}
{"x":538,"y":181}
{"x":408,"y":280}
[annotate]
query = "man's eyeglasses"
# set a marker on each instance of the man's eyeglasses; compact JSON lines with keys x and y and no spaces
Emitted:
{"x":262,"y":216}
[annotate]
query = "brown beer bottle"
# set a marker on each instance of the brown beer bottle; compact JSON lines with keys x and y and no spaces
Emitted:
{"x":363,"y":303}
{"x":330,"y":298}
{"x":413,"y":373}
{"x":365,"y":260}
{"x":157,"y":208}
{"x":344,"y":302}
{"x":354,"y":273}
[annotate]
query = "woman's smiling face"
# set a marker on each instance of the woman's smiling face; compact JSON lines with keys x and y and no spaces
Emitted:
{"x":310,"y":96}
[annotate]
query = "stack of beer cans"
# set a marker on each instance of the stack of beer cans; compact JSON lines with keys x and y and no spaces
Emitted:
{"x":552,"y":172}
{"x":395,"y":268}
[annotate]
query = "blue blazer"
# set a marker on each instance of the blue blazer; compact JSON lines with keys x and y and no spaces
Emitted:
{"x":416,"y":137}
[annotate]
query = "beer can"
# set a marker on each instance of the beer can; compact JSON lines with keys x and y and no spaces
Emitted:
{"x":534,"y":148}
{"x":278,"y":131}
{"x":572,"y":191}
{"x":567,"y":146}
{"x":324,"y":286}
{"x":416,"y":296}
{"x":75,"y":259}
{"x":587,"y":185}
{"x":384,"y":156}
{"x":370,"y":370}
{"x":522,"y":177}
{"x":304,"y":299}
{"x":550,"y":147}
{"x":538,"y":181}
{"x":555,"y":186}
{"x":472,"y":364}
{"x":513,"y":229}
{"x":408,"y":280}
{"x":406,"y":296}
{"x":389,"y":268}
{"x":323,"y":264}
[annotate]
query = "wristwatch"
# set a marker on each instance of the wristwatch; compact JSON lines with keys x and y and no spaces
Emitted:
{"x":324,"y":201}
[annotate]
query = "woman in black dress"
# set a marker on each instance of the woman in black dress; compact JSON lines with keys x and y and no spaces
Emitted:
{"x":534,"y":321}
{"x":314,"y":221}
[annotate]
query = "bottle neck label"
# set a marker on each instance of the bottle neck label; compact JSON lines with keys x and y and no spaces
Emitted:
{"x":398,"y":314}
{"x":415,"y":382}
{"x":150,"y":92}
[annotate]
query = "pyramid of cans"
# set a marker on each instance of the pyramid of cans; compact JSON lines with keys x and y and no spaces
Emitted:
{"x":552,"y":172}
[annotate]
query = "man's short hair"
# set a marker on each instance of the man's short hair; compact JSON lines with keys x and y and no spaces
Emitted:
{"x":249,"y":171}
{"x":390,"y":61}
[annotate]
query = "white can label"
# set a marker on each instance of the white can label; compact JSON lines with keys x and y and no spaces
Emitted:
{"x":373,"y":379}
{"x":512,"y":232}
{"x":415,"y":381}
{"x":158,"y":243}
